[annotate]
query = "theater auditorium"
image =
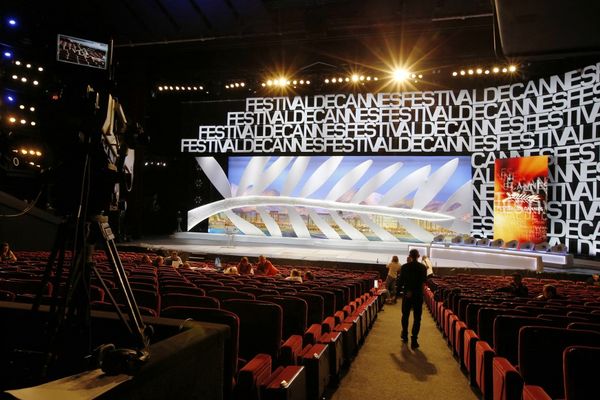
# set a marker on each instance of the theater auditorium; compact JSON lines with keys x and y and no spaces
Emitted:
{"x":299,"y":200}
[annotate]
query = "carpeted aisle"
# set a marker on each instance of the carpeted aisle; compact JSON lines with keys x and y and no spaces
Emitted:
{"x":386,"y":368}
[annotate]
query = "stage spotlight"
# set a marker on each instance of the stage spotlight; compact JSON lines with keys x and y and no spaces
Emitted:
{"x":326,"y":80}
{"x":12,"y":120}
{"x":512,"y":68}
{"x":23,"y":122}
{"x":22,"y":107}
{"x":176,"y":87}
{"x":497,"y":243}
{"x":495,"y":70}
{"x":479,"y":71}
{"x":202,"y":87}
{"x":237,"y":84}
{"x":32,"y":109}
{"x":170,"y":87}
{"x":15,"y":77}
{"x":160,"y":88}
{"x":10,"y":98}
{"x":375,"y":78}
{"x":226,"y":86}
{"x":32,"y":123}
{"x":470,"y":72}
{"x":12,"y":22}
{"x":189,"y":88}
{"x":457,"y":239}
{"x":347,"y":79}
{"x":263,"y":84}
{"x":484,"y":242}
{"x":40,"y":69}
{"x":413,"y":76}
{"x":505,"y":70}
{"x":333,"y":80}
{"x":470,"y":240}
{"x":454,"y":73}
{"x":28,"y":66}
{"x":400,"y":75}
{"x":462,"y":72}
{"x":513,"y":244}
{"x":35,"y":83}
{"x":242,"y":84}
{"x":368,"y":78}
{"x":32,"y":152}
{"x":23,"y":79}
{"x":294,"y":82}
{"x":487,"y":72}
{"x":7,"y":54}
{"x":420,"y":76}
{"x":354,"y":78}
{"x":361,"y":78}
{"x":195,"y":87}
{"x":308,"y":82}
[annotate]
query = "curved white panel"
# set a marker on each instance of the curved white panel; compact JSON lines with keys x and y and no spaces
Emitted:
{"x":297,"y":223}
{"x":244,"y":226}
{"x":252,"y":172}
{"x":378,"y":230}
{"x":464,"y":197}
{"x":346,"y":183}
{"x":295,"y":175}
{"x":417,"y":231}
{"x":196,"y":215}
{"x":348,"y":229}
{"x":323,"y":225}
{"x":405,"y":186}
{"x":434,"y":184}
{"x":267,"y":177}
{"x":320,"y":176}
{"x":375,"y":182}
{"x":269,"y":222}
{"x":215,"y":174}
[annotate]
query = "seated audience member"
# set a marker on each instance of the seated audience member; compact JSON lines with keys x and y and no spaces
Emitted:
{"x":173,"y":260}
{"x":549,"y":292}
{"x":244,"y":267}
{"x":294,"y":276}
{"x":594,"y":280}
{"x":516,"y":287}
{"x":265,"y":267}
{"x":146,"y":260}
{"x":7,"y":254}
{"x":232,"y":270}
{"x":427,"y":262}
{"x":309,"y":276}
{"x":186,"y":265}
{"x":159,"y":261}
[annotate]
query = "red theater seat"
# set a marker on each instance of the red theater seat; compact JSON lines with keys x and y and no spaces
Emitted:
{"x":185,"y":300}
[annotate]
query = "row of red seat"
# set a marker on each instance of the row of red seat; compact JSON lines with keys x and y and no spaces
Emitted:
{"x":515,"y":348}
{"x":282,"y":331}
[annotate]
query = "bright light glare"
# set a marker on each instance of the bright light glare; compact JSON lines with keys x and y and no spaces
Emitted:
{"x":400,"y":75}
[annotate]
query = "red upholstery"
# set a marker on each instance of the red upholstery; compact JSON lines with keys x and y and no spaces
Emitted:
{"x":483,"y":368}
{"x":533,"y":392}
{"x":507,"y":382}
{"x":184,"y":300}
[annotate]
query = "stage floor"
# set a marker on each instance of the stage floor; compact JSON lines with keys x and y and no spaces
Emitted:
{"x":373,"y":253}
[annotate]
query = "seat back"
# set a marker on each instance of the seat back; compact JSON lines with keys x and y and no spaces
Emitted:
{"x":260,"y":326}
{"x":591,"y":317}
{"x":228,"y":294}
{"x":188,"y":300}
{"x":485,"y":321}
{"x":586,"y":326}
{"x":315,"y":305}
{"x":328,"y":301}
{"x":506,"y":334}
{"x":182,"y":290}
{"x":579,"y":377}
{"x":541,"y":351}
{"x":295,"y":313}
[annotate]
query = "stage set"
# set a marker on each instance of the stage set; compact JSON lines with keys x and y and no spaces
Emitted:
{"x":502,"y":177}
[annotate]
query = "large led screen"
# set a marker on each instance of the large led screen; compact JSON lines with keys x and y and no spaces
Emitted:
{"x":520,"y":198}
{"x":360,"y":197}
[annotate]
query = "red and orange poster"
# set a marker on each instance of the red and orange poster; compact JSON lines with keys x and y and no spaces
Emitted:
{"x":520,"y":196}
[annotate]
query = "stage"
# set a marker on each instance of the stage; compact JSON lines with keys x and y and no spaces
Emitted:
{"x":371,"y":252}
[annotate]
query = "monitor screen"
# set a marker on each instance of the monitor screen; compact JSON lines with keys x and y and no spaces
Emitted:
{"x":82,"y":52}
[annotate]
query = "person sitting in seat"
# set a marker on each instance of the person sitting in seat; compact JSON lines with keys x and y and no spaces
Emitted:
{"x":265,"y":267}
{"x":159,"y":261}
{"x":7,"y":255}
{"x":309,"y":276}
{"x":549,"y":292}
{"x":231,"y":270}
{"x":145,"y":260}
{"x":594,"y":280}
{"x":294,"y":276}
{"x":516,"y":287}
{"x":173,"y":260}
{"x":244,"y":267}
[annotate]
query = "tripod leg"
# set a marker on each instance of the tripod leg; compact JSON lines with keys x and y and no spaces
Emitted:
{"x":57,"y":249}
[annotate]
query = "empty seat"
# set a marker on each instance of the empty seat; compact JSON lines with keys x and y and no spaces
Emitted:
{"x":579,"y":375}
{"x":229,"y":294}
{"x":186,"y":300}
{"x":182,"y":290}
{"x":586,"y":326}
{"x":295,"y":313}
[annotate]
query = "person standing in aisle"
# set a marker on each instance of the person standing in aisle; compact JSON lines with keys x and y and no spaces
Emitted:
{"x":412,"y":279}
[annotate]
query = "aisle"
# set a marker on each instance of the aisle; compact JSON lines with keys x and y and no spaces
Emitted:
{"x":387,"y":369}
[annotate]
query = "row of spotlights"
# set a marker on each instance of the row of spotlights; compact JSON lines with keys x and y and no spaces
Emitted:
{"x":25,"y":80}
{"x":485,"y":71}
{"x":158,"y":164}
{"x":190,"y":88}
{"x":22,"y":107}
{"x":354,"y":78}
{"x":235,"y":85}
{"x":14,"y":120}
{"x":282,"y":82}
{"x":28,"y":151}
{"x":29,"y":66}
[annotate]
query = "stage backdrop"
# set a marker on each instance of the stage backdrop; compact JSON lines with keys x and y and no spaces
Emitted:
{"x":352,"y":198}
{"x":520,"y":192}
{"x":557,"y":116}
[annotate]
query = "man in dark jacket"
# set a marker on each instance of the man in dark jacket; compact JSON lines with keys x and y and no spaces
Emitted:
{"x":412,"y":280}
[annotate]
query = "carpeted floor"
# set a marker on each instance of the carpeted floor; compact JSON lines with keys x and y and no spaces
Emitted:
{"x":386,"y":368}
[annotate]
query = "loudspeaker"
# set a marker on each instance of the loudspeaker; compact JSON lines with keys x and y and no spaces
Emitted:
{"x":546,"y":29}
{"x":438,"y":239}
{"x":526,"y":246}
{"x":457,"y":239}
{"x":484,"y":242}
{"x":559,"y":248}
{"x":469,"y":240}
{"x":513,"y":244}
{"x":544,"y":246}
{"x":497,"y":243}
